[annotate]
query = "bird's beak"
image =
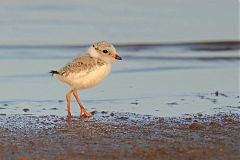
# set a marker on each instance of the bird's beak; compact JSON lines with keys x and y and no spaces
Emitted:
{"x":118,"y":57}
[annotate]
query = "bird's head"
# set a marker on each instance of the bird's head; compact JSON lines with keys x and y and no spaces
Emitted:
{"x":104,"y":51}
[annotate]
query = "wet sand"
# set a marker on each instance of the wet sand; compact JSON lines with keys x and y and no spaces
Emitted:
{"x":120,"y":136}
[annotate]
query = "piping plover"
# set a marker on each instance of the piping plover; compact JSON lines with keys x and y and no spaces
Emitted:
{"x":87,"y":71}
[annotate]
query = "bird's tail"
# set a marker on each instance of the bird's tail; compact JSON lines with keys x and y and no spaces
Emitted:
{"x":54,"y":72}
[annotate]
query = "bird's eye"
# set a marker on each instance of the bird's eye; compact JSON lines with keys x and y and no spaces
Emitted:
{"x":105,"y":51}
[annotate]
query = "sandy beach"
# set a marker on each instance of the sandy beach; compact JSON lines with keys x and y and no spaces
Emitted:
{"x":120,"y":136}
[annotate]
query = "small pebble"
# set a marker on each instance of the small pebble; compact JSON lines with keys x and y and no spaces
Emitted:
{"x":104,"y":112}
{"x":93,"y":112}
{"x":172,"y":103}
{"x":60,"y":101}
{"x":136,"y":103}
{"x":195,"y":126}
{"x":25,"y":110}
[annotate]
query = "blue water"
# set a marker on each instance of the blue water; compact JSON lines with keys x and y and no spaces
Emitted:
{"x":160,"y":80}
{"x":84,"y":22}
{"x":164,"y":85}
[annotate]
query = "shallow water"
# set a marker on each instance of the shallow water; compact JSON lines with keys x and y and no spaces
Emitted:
{"x":154,"y":78}
{"x":160,"y":81}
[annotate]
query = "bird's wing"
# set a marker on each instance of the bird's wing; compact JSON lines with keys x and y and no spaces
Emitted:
{"x":81,"y":66}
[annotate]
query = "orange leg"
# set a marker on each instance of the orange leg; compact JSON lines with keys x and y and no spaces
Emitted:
{"x":83,"y":110}
{"x":68,"y":97}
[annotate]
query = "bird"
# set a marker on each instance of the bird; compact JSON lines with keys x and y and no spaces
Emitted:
{"x":86,"y":71}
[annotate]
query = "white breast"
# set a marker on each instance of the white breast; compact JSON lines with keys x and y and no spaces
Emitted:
{"x":86,"y":80}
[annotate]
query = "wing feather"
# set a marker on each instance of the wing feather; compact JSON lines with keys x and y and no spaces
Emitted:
{"x":81,"y":66}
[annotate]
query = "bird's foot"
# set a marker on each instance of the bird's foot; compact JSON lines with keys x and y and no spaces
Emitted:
{"x":84,"y":113}
{"x":69,"y":115}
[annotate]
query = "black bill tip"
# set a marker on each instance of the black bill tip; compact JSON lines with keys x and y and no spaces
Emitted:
{"x":53,"y":72}
{"x":118,"y":57}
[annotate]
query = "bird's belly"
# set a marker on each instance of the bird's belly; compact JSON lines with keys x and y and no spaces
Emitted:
{"x":91,"y":79}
